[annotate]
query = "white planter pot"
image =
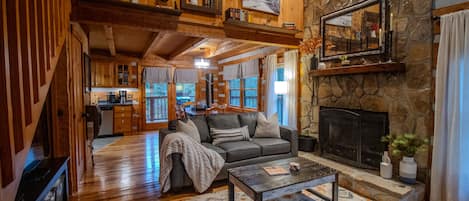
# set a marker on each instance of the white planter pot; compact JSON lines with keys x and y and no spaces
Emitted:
{"x":408,"y":170}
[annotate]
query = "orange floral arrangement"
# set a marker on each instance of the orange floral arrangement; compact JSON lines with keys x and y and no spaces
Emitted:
{"x":311,"y":45}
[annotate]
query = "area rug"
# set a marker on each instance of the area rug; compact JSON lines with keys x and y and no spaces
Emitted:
{"x":100,"y":143}
{"x":326,"y":189}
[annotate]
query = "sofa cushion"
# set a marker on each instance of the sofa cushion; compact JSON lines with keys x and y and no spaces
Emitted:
{"x":223,"y":121}
{"x":272,"y":146}
{"x":249,"y":119}
{"x":220,"y":136}
{"x":267,"y":128}
{"x":241,"y":150}
{"x":202,"y":126}
{"x":215,"y":148}
{"x":189,"y":129}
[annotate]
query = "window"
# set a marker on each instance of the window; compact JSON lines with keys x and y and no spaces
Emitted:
{"x":280,"y":98}
{"x":250,"y":92}
{"x":248,"y":88}
{"x":185,"y":92}
{"x":156,"y":96}
{"x":235,"y":92}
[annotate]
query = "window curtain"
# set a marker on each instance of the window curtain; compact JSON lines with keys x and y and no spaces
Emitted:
{"x":291,"y":67}
{"x":250,"y":68}
{"x":450,"y":162}
{"x":186,"y":76}
{"x":157,"y":75}
{"x":270,"y":69}
{"x":231,"y":72}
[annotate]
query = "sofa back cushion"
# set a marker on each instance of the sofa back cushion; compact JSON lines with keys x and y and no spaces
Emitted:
{"x":229,"y":135}
{"x":189,"y":129}
{"x":249,"y":119}
{"x":202,"y":126}
{"x":223,"y":121}
{"x":267,"y":128}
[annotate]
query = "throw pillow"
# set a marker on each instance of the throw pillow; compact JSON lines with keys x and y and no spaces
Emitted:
{"x":189,"y":128}
{"x":229,"y":135}
{"x":267,"y":128}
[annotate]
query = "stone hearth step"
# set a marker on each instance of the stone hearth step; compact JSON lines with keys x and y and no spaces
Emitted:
{"x":371,"y":185}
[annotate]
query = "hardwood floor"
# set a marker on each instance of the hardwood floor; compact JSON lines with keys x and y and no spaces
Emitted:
{"x":128,"y":169}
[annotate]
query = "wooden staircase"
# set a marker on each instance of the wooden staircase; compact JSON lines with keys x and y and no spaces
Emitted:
{"x":34,"y":32}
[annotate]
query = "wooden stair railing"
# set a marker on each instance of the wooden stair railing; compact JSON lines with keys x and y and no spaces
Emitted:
{"x":33,"y":32}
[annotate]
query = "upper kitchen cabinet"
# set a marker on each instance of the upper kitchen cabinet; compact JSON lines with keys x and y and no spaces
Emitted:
{"x":127,"y":75}
{"x":114,"y":74}
{"x":103,"y":74}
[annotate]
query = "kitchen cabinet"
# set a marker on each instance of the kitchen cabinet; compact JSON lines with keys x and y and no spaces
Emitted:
{"x":102,"y":74}
{"x":123,"y":119}
{"x":112,"y":74}
{"x":126,"y":75}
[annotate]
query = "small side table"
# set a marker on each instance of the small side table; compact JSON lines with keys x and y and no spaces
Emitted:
{"x":307,"y":143}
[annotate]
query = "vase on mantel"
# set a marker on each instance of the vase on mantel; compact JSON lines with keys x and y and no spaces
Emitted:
{"x":314,"y":62}
{"x":408,"y":170}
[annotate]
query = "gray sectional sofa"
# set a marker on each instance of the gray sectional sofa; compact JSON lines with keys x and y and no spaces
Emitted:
{"x":238,"y":153}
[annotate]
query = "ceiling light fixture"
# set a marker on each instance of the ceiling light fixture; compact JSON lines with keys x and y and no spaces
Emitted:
{"x":201,"y":63}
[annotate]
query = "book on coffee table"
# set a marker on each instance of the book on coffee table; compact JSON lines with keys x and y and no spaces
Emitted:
{"x":276,"y":170}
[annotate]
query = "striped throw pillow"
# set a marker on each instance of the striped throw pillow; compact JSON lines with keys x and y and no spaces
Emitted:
{"x":229,"y":135}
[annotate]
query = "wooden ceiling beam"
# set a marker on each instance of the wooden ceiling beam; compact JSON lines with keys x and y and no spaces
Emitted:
{"x":110,"y":39}
{"x":230,"y":48}
{"x":241,"y":50}
{"x":187,"y":46}
{"x":154,"y":40}
{"x":110,"y":13}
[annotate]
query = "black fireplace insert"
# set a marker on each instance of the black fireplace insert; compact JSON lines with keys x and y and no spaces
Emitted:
{"x":353,"y":136}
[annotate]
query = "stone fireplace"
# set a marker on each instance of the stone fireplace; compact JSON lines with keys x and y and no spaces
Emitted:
{"x":406,"y":97}
{"x":352,"y":136}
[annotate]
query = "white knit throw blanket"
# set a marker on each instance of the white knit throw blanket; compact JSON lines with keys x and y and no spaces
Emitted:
{"x":202,"y":165}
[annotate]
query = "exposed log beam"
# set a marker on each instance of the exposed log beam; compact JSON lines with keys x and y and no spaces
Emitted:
{"x":187,"y":46}
{"x":274,"y":36}
{"x":231,"y":49}
{"x":243,"y":49}
{"x":110,"y":39}
{"x":110,"y":13}
{"x":154,"y":40}
{"x":106,"y":53}
{"x":259,"y":53}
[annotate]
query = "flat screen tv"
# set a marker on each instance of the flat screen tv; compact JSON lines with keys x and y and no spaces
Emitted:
{"x":40,"y":147}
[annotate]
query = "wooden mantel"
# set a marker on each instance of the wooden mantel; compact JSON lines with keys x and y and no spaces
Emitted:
{"x":359,"y":69}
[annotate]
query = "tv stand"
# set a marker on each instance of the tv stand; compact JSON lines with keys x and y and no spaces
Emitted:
{"x":45,"y":179}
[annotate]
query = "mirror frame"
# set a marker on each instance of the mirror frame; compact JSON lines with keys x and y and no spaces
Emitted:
{"x":352,"y":8}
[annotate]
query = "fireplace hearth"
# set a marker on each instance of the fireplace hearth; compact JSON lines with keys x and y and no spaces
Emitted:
{"x":352,"y":136}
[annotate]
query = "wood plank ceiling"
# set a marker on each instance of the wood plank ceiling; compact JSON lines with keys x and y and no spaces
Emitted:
{"x":108,"y":40}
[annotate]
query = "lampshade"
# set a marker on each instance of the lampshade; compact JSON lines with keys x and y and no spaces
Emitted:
{"x":280,"y":87}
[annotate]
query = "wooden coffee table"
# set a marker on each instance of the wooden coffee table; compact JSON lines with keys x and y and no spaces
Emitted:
{"x":258,"y":185}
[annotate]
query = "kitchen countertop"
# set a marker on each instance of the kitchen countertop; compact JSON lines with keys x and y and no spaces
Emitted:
{"x":128,"y":103}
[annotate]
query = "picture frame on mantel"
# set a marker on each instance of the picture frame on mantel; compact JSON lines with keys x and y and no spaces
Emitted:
{"x":266,"y":6}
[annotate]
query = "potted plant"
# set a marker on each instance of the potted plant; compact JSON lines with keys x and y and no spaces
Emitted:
{"x":344,"y":60}
{"x":406,"y":145}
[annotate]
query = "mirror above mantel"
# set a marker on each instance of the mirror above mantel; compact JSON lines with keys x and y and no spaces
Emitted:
{"x":357,"y":30}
